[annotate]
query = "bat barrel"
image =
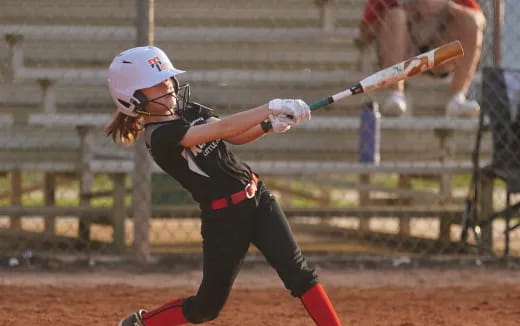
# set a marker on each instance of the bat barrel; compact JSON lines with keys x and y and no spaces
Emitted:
{"x":397,"y":72}
{"x":413,"y":66}
{"x":448,"y":52}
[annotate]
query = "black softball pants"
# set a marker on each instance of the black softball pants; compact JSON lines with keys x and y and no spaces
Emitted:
{"x":226,"y":235}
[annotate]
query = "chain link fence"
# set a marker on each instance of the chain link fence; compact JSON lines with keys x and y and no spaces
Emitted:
{"x":363,"y":177}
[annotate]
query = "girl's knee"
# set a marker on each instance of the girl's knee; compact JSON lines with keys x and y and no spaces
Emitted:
{"x":204,"y":316}
{"x":300,"y":282}
{"x":198,"y":312}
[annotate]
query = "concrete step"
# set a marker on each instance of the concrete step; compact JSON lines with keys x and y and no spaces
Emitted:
{"x":294,"y":13}
{"x":31,"y":143}
{"x":231,"y":92}
{"x":396,"y":145}
{"x":204,"y":35}
{"x":297,"y":54}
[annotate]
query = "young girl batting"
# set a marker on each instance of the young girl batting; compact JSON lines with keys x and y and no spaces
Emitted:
{"x":189,"y":143}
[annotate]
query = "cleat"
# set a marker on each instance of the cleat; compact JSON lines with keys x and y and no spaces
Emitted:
{"x":135,"y":319}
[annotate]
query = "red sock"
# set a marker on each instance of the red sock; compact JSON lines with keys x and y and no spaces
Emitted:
{"x":169,"y":314}
{"x":318,"y":305}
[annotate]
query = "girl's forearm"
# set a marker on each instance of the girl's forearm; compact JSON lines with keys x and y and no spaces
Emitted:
{"x":243,"y":121}
{"x":230,"y":126}
{"x":247,"y":137}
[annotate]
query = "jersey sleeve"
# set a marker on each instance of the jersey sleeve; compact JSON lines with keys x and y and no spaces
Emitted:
{"x":169,"y":136}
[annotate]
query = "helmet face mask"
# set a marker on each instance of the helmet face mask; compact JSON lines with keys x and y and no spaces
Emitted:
{"x":135,"y":69}
{"x":183,"y":98}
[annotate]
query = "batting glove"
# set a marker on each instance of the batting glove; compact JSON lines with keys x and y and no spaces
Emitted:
{"x":297,"y":109}
{"x":280,"y":123}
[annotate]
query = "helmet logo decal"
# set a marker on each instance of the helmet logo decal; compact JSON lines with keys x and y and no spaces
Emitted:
{"x":155,"y":62}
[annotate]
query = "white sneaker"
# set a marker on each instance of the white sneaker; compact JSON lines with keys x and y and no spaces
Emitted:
{"x":459,"y":106}
{"x":394,"y":104}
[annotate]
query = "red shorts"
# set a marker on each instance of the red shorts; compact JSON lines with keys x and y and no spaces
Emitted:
{"x":374,"y":9}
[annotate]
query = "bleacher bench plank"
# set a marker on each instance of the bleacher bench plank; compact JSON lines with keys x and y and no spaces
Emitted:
{"x":316,"y":123}
{"x":294,"y":167}
{"x":223,"y":95}
{"x":288,"y":167}
{"x":193,"y":211}
{"x":321,"y":139}
{"x":216,"y":76}
{"x":291,"y":55}
{"x":69,"y":120}
{"x":182,"y":13}
{"x":273,"y":168}
{"x":176,"y":34}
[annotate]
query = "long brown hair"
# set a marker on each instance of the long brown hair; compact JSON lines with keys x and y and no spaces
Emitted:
{"x":124,"y":129}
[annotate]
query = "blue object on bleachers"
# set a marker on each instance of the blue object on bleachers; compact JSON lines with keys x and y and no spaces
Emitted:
{"x":370,"y":134}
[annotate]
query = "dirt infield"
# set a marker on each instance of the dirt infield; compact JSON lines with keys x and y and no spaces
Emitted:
{"x":389,"y":297}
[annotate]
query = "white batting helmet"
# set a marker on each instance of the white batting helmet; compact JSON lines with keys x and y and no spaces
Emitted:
{"x":135,"y":69}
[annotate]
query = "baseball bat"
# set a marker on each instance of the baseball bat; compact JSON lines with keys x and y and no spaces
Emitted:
{"x":398,"y":72}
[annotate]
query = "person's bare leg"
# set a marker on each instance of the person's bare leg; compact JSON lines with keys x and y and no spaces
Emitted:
{"x":394,"y":46}
{"x":393,"y":39}
{"x":467,"y":25}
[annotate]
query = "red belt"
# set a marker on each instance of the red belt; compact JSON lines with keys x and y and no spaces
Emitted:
{"x":238,"y":197}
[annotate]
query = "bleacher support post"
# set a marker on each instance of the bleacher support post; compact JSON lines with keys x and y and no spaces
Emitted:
{"x":364,"y":200}
{"x":14,"y":43}
{"x":405,"y":221}
{"x":486,"y":208}
{"x":141,"y":197}
{"x":447,"y":152}
{"x":49,"y":198}
{"x":327,"y":14}
{"x":86,"y":178}
{"x":119,"y":211}
{"x":16,"y":197}
{"x":48,"y":95}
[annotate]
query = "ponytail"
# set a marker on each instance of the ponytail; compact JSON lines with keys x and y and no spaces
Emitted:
{"x":124,"y":129}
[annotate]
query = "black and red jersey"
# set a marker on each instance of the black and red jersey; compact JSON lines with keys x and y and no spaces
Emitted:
{"x":208,"y":171}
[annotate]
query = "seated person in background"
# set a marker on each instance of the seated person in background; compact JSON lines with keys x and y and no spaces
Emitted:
{"x":407,"y":27}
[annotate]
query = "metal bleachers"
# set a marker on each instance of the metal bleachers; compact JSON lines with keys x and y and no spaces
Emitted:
{"x":269,"y":49}
{"x":57,"y":62}
{"x":54,"y":100}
